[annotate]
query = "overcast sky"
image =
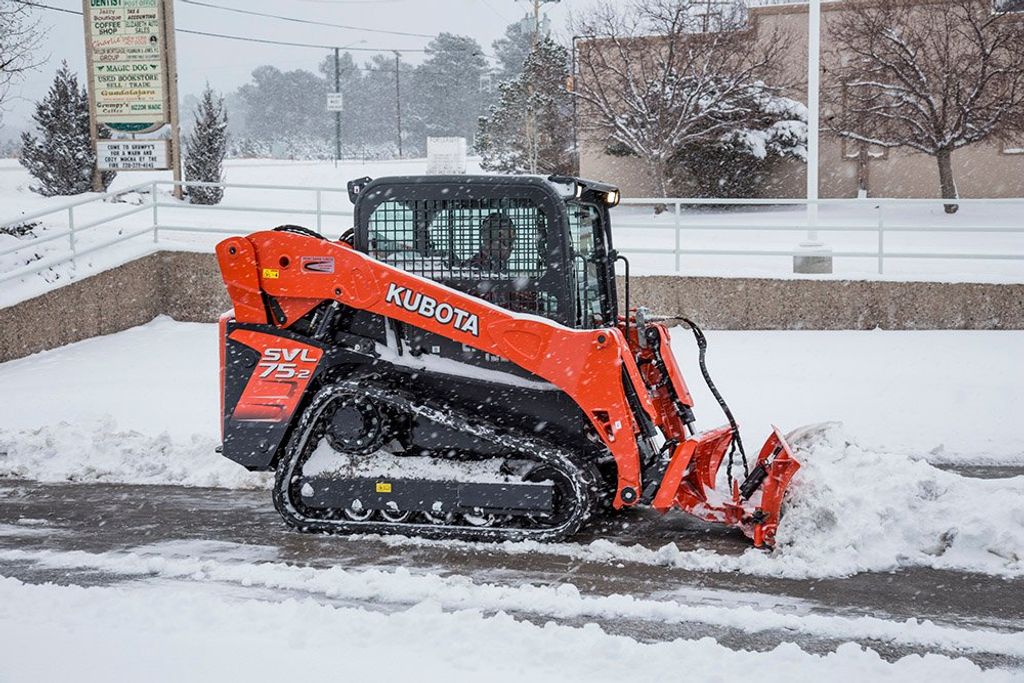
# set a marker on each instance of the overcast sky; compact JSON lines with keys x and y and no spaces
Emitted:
{"x":227,"y":64}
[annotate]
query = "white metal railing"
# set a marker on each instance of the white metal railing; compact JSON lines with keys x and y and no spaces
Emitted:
{"x":681,"y":223}
{"x":75,"y":227}
{"x":678,"y":216}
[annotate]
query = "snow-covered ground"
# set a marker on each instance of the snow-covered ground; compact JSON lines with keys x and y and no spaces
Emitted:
{"x":172,"y":632}
{"x":142,"y":406}
{"x":636,"y":227}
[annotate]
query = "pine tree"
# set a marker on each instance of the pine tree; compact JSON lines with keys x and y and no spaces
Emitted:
{"x":205,"y":149}
{"x":62,"y":158}
{"x":533,"y":116}
{"x":513,"y":49}
{"x":447,"y":89}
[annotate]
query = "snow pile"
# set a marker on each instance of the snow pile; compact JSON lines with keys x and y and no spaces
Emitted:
{"x":101,"y":453}
{"x":853,"y":509}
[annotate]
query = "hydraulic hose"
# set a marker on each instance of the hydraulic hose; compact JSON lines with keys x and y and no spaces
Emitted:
{"x":737,"y":442}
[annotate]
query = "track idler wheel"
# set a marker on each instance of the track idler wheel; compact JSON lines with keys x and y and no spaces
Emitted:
{"x":357,"y":426}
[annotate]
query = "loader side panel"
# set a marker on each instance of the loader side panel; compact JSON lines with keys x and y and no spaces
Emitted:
{"x":266,"y":373}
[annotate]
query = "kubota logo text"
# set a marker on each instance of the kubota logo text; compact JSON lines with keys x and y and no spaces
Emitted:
{"x":446,"y":314}
{"x":281,"y":364}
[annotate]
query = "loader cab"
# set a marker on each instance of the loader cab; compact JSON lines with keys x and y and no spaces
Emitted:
{"x":529,"y":244}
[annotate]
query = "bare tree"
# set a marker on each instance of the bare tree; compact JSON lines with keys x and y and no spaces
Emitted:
{"x":652,"y":82}
{"x":19,"y":37}
{"x":930,"y":76}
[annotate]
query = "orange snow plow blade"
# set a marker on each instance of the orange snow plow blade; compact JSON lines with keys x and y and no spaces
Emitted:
{"x":755,"y":505}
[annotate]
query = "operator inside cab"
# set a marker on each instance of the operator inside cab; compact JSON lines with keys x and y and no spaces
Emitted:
{"x":497,"y":239}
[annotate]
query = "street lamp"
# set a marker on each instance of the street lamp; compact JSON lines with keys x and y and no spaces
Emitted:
{"x":817,"y":257}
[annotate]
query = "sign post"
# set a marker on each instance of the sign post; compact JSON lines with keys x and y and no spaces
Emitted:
{"x":171,"y":66}
{"x":132,"y":77}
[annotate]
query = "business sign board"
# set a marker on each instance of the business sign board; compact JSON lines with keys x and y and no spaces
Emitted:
{"x":131,"y":155}
{"x":446,"y":156}
{"x":127,"y":63}
{"x":335,"y":101}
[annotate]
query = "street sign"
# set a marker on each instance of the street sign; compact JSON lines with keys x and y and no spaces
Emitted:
{"x":132,"y":155}
{"x":125,"y":49}
{"x":335,"y":101}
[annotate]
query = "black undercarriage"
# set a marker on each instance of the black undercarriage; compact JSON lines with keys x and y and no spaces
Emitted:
{"x":367,"y":402}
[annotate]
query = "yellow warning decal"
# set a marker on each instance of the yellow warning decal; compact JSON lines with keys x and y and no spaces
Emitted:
{"x":383,"y":487}
{"x":271,"y":273}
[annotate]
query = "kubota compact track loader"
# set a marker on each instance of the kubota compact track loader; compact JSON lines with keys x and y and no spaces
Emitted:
{"x":458,"y":365}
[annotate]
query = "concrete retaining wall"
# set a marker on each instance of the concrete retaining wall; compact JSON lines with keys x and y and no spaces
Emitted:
{"x":187,"y":287}
{"x":766,"y":304}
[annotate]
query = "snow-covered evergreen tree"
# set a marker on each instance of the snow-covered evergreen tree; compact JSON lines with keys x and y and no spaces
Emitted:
{"x":532,"y":120}
{"x":447,"y":87}
{"x":62,"y":158}
{"x":513,"y":48}
{"x":205,"y":149}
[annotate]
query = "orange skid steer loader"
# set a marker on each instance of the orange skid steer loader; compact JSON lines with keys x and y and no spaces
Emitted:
{"x":458,"y":366}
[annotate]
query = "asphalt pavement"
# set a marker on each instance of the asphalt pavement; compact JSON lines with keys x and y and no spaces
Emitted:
{"x":101,"y":518}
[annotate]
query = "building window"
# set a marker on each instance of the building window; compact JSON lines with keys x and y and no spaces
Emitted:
{"x":1009,"y":5}
{"x":1013,"y":147}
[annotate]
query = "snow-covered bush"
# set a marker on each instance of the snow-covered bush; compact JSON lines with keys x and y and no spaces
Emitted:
{"x":740,"y":162}
{"x":62,"y":158}
{"x":205,"y":149}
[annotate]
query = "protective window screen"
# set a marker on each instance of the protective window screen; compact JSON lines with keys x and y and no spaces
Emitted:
{"x":584,"y":221}
{"x":494,"y":248}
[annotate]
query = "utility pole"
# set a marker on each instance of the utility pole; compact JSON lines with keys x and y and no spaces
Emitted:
{"x":813,"y":114}
{"x":532,"y":134}
{"x":398,"y":99}
{"x":337,"y":114}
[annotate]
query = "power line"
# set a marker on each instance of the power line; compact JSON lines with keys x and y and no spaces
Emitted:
{"x":250,"y":39}
{"x":296,"y":20}
{"x":266,"y":41}
{"x":245,"y":39}
{"x":286,"y":43}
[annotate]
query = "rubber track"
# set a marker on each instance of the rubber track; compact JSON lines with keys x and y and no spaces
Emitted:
{"x":584,"y":477}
